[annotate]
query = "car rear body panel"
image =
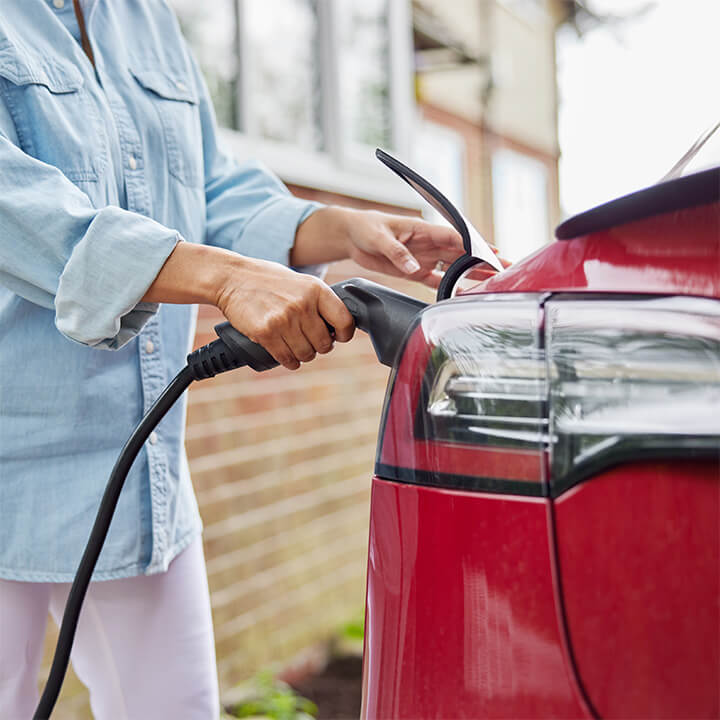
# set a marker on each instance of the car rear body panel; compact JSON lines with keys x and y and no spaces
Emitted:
{"x":639,"y":558}
{"x":461,"y":619}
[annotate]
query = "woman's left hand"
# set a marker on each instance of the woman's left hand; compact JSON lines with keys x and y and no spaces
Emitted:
{"x":391,"y":244}
{"x":402,"y":246}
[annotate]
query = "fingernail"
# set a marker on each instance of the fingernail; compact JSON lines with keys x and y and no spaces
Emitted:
{"x":411,"y":265}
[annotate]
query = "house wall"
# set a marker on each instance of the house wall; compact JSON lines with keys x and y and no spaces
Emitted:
{"x":512,"y":88}
{"x":523,"y":103}
{"x":508,"y":100}
{"x":281,"y":463}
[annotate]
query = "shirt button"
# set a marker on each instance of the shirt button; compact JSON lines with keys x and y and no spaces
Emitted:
{"x":132,"y":162}
{"x":59,"y":4}
{"x":153,"y":438}
{"x":149,"y":347}
{"x":178,"y":85}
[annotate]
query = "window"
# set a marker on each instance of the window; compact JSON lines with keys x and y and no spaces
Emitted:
{"x":439,"y":155}
{"x":210,"y":30}
{"x":364,"y":64}
{"x":331,"y":79}
{"x":282,"y":81}
{"x":520,"y":203}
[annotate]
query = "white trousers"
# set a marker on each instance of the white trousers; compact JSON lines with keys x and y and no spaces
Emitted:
{"x":144,"y":645}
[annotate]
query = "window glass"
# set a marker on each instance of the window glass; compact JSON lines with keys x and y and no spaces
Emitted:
{"x":282,"y":71}
{"x":364,"y":70}
{"x":209,"y":29}
{"x":439,"y":155}
{"x":520,"y":203}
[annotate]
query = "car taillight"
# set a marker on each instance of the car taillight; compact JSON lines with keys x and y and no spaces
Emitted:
{"x":525,"y":394}
{"x":631,"y":379}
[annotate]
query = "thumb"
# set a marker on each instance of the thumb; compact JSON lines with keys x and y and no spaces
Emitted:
{"x":399,"y":255}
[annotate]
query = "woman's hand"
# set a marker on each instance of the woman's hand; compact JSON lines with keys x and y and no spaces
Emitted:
{"x":391,"y":244}
{"x":284,"y":311}
{"x":402,"y":246}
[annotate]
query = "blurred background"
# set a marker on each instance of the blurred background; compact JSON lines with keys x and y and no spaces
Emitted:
{"x":521,"y":112}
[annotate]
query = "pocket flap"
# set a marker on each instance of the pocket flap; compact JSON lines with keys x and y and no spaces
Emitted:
{"x":21,"y":70}
{"x":165,"y":84}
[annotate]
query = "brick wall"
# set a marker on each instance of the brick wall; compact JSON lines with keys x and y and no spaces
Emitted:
{"x":281,"y":463}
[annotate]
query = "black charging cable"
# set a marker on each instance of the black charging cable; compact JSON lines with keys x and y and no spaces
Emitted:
{"x":383,"y":313}
{"x":97,"y":538}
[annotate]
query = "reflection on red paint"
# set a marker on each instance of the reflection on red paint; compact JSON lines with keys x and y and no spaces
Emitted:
{"x":675,"y":253}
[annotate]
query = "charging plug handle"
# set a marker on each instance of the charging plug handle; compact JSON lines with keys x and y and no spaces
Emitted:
{"x":384,"y":314}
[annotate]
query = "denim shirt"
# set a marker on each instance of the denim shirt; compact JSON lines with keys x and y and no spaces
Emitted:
{"x":102,"y":171}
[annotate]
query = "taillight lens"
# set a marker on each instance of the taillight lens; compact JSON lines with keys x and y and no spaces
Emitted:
{"x":467,"y":408}
{"x":631,"y":379}
{"x":492,"y":390}
{"x":487,"y":380}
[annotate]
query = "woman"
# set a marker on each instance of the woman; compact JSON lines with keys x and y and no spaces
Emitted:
{"x":117,"y":212}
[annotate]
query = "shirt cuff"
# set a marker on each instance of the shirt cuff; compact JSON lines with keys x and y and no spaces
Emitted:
{"x":270,"y":233}
{"x":98,"y":300}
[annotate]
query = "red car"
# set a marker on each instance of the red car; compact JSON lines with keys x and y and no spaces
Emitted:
{"x":545,"y":515}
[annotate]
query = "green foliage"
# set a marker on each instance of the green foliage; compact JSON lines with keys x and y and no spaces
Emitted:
{"x":276,"y":700}
{"x":353,"y":630}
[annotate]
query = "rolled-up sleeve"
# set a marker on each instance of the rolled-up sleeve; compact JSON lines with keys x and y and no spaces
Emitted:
{"x":56,"y":250}
{"x":249,"y":209}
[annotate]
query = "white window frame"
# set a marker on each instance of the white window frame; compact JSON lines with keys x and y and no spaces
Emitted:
{"x":338,"y":169}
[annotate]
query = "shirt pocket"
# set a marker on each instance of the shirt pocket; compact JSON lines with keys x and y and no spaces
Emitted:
{"x":177,"y":106}
{"x":55,"y":117}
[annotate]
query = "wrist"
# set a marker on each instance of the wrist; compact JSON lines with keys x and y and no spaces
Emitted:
{"x":211,"y":270}
{"x":325,"y":236}
{"x":193,"y":273}
{"x":225,"y":276}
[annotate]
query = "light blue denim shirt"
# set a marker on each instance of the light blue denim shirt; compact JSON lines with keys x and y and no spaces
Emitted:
{"x":102,"y":171}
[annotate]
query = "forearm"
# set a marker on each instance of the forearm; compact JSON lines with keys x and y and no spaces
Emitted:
{"x":196,"y":273}
{"x":323,"y":237}
{"x":193,"y":274}
{"x":89,"y":265}
{"x":288,"y":313}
